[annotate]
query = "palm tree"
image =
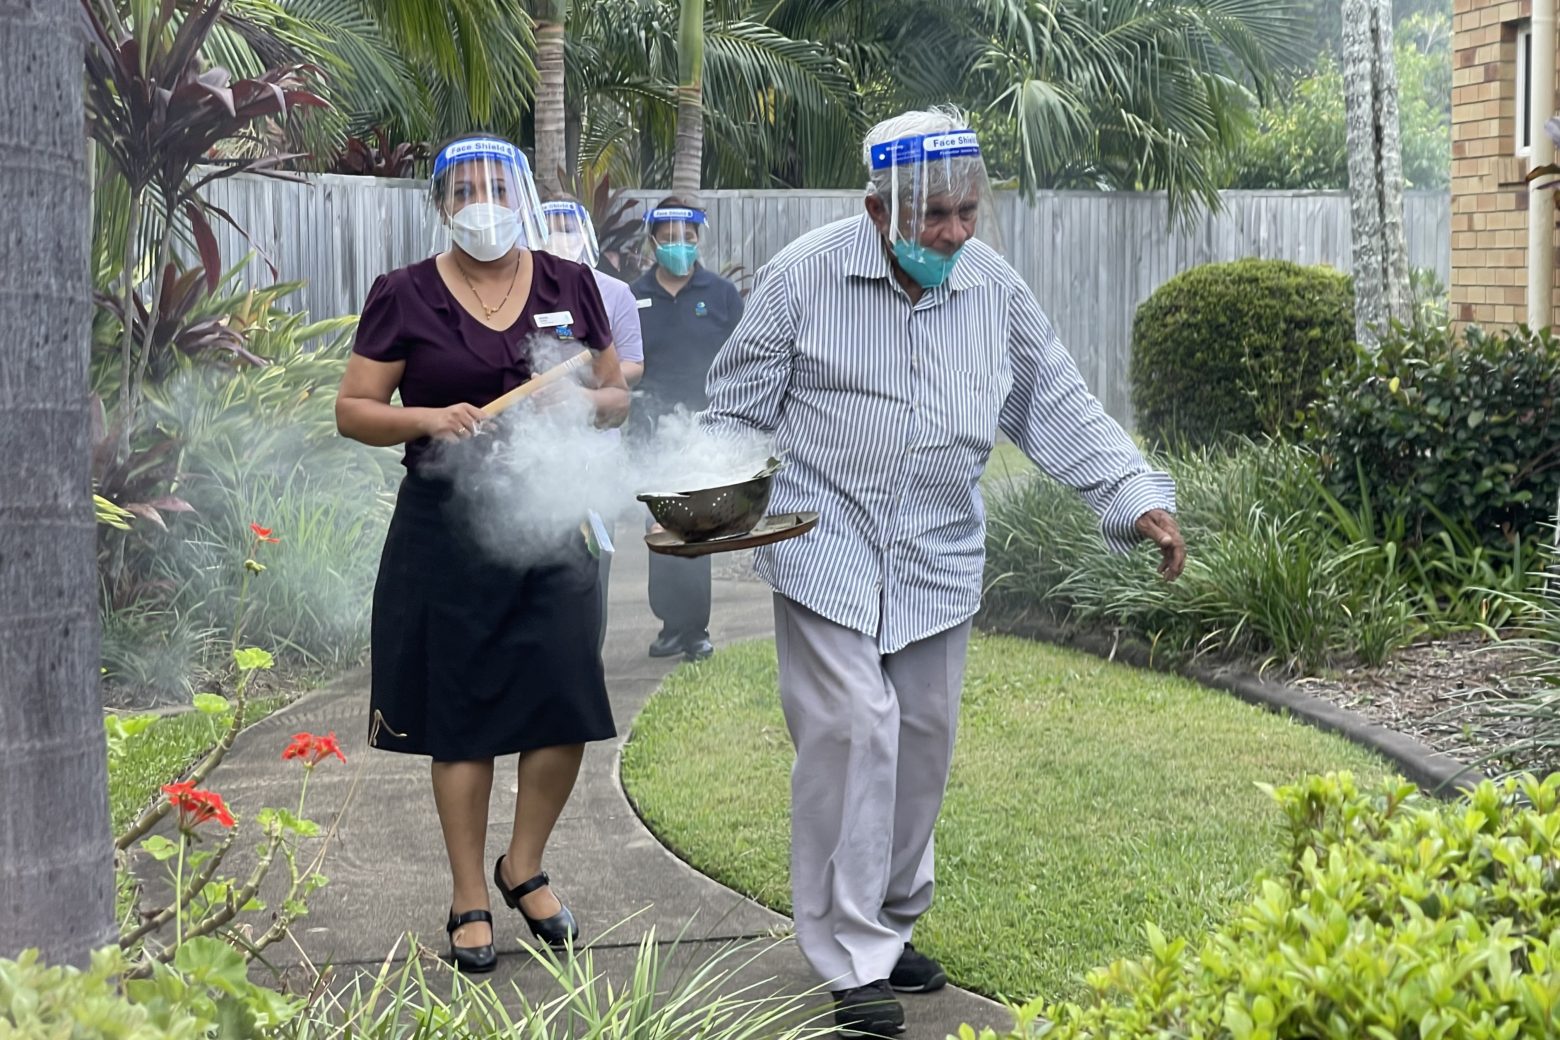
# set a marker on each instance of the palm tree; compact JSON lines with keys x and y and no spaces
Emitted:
{"x":777,"y":111}
{"x":1380,"y":248}
{"x":420,"y":71}
{"x":1130,"y":94}
{"x":688,"y":167}
{"x":551,"y":144}
{"x":56,"y":863}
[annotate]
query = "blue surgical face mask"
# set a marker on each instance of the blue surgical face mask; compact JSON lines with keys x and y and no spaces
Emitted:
{"x":677,"y":257}
{"x":927,"y":267}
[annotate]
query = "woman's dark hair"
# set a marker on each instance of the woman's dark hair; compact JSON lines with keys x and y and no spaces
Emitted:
{"x":436,"y":190}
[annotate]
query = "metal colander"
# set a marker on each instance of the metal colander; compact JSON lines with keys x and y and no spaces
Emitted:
{"x":724,"y":511}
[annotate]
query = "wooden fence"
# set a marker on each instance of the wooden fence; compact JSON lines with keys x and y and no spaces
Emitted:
{"x":1091,"y":257}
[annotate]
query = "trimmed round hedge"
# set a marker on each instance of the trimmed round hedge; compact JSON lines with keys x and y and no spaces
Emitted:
{"x":1237,"y":349}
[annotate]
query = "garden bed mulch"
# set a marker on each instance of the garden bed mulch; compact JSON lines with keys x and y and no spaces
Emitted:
{"x":1440,"y":692}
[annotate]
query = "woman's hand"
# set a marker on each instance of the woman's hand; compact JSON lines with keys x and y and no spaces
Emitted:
{"x":560,"y":393}
{"x":455,"y":423}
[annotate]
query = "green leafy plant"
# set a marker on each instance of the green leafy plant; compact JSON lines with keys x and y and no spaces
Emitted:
{"x":670,"y":990}
{"x":1236,"y":349}
{"x":1395,"y":916}
{"x":1457,"y":431}
{"x":1301,"y":139}
{"x":41,"y":1002}
{"x":246,"y":661}
{"x":204,"y":902}
{"x":1269,"y":579}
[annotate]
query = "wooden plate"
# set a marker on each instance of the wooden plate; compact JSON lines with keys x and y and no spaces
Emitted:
{"x":775,"y":528}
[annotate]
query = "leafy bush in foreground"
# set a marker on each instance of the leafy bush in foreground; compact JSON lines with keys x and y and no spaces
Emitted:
{"x":1397,"y":918}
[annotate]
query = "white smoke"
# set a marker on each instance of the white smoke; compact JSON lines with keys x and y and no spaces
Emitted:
{"x":535,"y":474}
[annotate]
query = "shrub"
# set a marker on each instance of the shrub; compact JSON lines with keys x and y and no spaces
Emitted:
{"x":1395,"y":917}
{"x":1279,"y":570}
{"x":1264,"y":578}
{"x":204,"y":993}
{"x":1449,"y":431}
{"x":1236,"y":349}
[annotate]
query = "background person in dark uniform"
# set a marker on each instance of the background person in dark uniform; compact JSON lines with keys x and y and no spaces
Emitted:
{"x":686,"y":313}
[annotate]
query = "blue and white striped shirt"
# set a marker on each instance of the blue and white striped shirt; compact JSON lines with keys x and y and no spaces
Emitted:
{"x":889,"y":413}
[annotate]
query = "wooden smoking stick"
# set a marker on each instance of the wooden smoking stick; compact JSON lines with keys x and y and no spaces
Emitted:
{"x":526,"y":389}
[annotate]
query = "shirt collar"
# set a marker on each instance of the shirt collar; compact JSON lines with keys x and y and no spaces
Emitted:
{"x":865,"y":258}
{"x":647,"y":282}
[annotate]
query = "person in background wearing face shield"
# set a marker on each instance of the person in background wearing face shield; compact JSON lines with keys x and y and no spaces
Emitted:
{"x":571,"y":234}
{"x":474,"y":657}
{"x":884,"y":352}
{"x":686,"y":313}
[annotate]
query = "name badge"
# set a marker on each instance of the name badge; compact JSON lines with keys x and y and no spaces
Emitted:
{"x":556,"y":318}
{"x":642,"y":304}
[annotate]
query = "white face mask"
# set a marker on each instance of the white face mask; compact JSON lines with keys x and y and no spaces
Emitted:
{"x":485,"y":231}
{"x":568,"y":244}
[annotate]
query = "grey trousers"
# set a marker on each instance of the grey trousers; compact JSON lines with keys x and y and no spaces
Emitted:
{"x":874,"y":738}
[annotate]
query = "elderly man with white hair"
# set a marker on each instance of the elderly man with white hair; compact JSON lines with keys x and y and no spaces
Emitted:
{"x":883,"y":353}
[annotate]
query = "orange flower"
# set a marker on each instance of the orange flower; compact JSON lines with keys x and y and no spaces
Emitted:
{"x":313,"y":748}
{"x":262,"y":534}
{"x":196,"y":806}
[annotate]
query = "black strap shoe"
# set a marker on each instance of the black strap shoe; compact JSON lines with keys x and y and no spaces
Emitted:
{"x":869,"y":1011}
{"x":917,"y":973}
{"x":557,"y":931}
{"x":471,"y":960}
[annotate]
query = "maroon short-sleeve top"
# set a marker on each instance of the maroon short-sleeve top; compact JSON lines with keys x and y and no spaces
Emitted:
{"x":451,"y":357}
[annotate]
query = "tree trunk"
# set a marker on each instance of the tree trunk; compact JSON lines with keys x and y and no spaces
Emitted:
{"x":1380,"y":247}
{"x":551,"y":148}
{"x":688,"y":165}
{"x":573,"y":129}
{"x":56,"y":865}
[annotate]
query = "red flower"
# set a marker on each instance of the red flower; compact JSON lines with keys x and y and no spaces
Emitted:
{"x":262,"y":534}
{"x":313,"y":748}
{"x":196,"y":806}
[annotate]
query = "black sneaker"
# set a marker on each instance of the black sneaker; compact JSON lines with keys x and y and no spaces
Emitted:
{"x":917,"y":973}
{"x":869,"y":1010}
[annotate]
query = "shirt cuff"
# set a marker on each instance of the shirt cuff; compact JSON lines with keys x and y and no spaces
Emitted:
{"x":1133,"y":497}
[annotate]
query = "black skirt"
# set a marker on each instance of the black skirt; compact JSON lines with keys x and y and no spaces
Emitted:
{"x":473,"y":657}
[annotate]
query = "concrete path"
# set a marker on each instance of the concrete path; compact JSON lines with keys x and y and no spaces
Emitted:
{"x":386,"y":864}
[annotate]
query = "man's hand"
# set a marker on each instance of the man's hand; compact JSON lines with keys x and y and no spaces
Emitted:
{"x":1160,"y":527}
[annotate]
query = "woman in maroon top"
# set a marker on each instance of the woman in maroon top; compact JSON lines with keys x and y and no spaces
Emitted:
{"x":475,"y":657}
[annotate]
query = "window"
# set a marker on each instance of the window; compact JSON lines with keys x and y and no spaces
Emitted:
{"x":1524,"y":106}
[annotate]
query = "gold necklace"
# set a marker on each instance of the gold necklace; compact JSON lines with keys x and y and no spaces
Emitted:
{"x":488,"y":312}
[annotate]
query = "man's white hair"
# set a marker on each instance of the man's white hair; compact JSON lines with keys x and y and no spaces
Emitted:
{"x":940,"y":119}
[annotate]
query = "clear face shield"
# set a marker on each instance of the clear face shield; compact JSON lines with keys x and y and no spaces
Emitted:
{"x":937,"y":197}
{"x":674,"y":233}
{"x":570,"y":233}
{"x":484,"y":199}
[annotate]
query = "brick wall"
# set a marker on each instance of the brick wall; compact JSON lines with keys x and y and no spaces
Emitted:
{"x":1489,"y":195}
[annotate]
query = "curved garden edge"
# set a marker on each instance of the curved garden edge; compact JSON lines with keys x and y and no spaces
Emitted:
{"x":1435,"y":772}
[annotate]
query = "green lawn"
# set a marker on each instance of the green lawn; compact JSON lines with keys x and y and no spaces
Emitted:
{"x":164,"y":752}
{"x":1086,"y":799}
